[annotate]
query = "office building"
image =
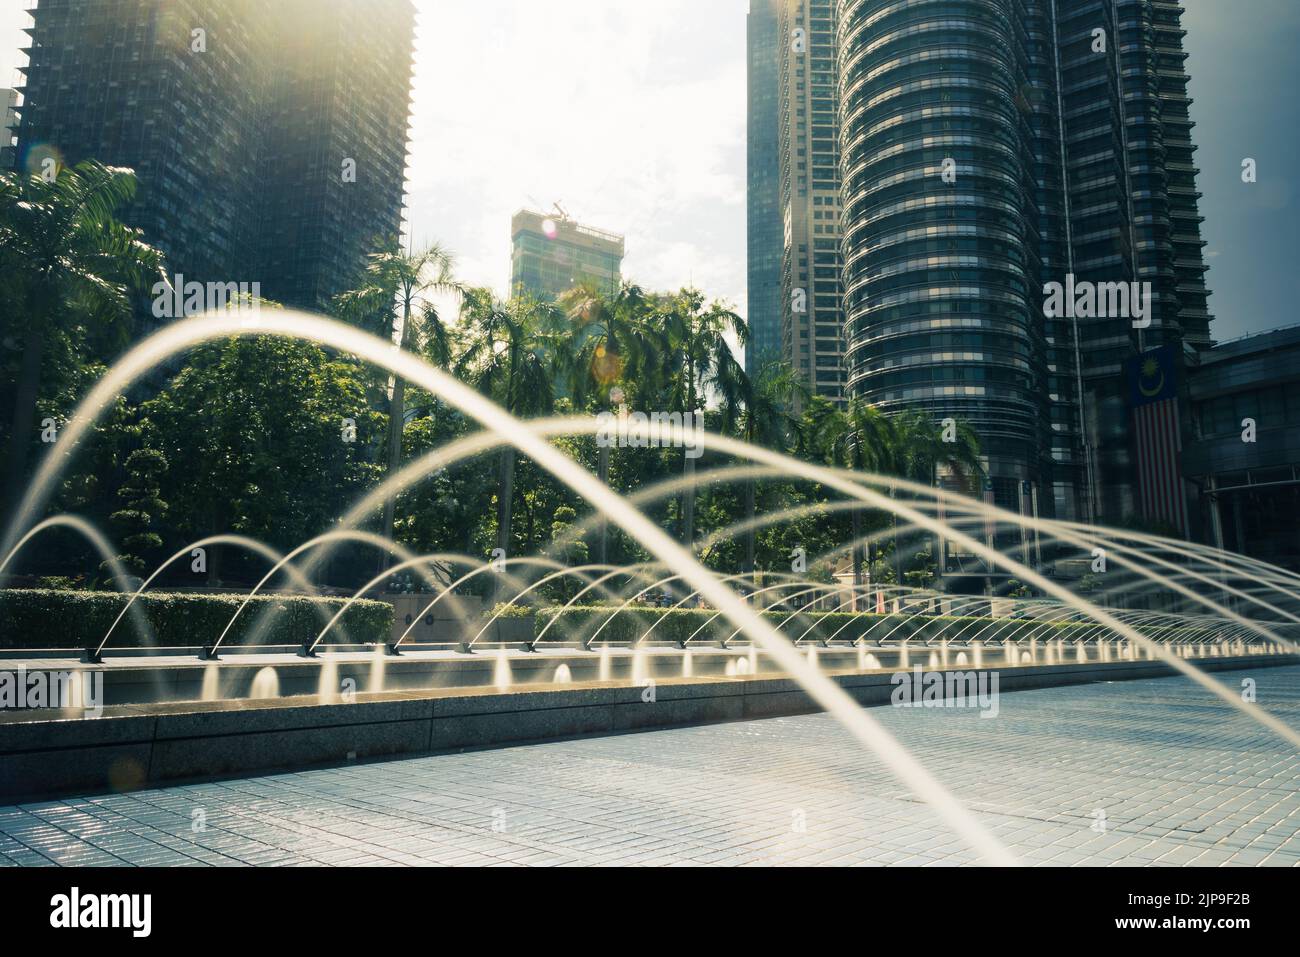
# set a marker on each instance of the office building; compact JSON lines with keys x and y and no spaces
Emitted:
{"x":269,"y":140}
{"x":1242,"y":452}
{"x":8,"y":123}
{"x":552,"y":253}
{"x":763,"y":223}
{"x":988,"y":148}
{"x":811,"y":308}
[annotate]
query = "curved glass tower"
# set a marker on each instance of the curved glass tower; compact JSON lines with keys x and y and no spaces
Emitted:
{"x":939,"y":220}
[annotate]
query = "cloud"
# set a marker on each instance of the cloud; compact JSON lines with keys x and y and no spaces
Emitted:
{"x":631,"y":115}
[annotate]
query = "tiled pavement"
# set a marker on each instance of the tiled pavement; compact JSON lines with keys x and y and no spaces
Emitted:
{"x":1179,"y":777}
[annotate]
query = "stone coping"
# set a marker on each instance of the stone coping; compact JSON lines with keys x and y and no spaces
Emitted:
{"x":135,"y":746}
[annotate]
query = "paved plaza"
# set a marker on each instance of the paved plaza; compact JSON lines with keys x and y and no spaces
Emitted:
{"x":1141,"y":772}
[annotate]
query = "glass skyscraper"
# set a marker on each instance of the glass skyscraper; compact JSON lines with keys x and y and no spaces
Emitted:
{"x":794,"y":196}
{"x":269,"y":139}
{"x":550,"y":254}
{"x":763,"y":221}
{"x":988,"y":147}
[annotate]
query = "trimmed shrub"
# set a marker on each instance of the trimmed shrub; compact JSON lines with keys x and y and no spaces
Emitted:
{"x":677,"y":625}
{"x":51,"y":618}
{"x":502,"y":610}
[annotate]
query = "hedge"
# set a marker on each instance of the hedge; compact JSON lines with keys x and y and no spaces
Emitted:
{"x":50,"y":618}
{"x":578,"y":624}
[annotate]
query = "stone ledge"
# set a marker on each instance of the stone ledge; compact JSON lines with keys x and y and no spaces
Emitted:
{"x":140,"y":746}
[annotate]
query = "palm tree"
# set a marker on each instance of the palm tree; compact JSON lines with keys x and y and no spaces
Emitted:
{"x":758,"y":411}
{"x":66,"y":260}
{"x":861,"y":438}
{"x":609,"y":342}
{"x":395,"y":300}
{"x":506,"y":358}
{"x":923,"y":449}
{"x":700,"y":359}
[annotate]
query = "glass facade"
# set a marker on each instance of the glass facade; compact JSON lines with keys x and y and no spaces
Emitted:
{"x":1246,"y":495}
{"x":239,"y":133}
{"x":808,"y":194}
{"x":552,"y":254}
{"x":989,"y":147}
{"x":763,"y":228}
{"x":940,"y":272}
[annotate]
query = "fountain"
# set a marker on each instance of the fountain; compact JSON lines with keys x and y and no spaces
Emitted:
{"x":211,"y":690}
{"x":266,"y":684}
{"x":859,"y":490}
{"x":563,"y":675}
{"x":501,"y":674}
{"x":640,"y":671}
{"x":378,"y":664}
{"x":327,"y":684}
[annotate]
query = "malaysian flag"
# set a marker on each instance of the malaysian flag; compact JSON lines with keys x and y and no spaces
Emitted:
{"x":1153,"y":394}
{"x":990,"y":526}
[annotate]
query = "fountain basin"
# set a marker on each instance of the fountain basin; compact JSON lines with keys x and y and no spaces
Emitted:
{"x":139,"y":745}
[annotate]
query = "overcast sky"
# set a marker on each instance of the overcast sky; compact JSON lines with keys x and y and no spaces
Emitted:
{"x":632,"y":115}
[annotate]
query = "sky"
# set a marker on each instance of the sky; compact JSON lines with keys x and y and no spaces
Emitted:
{"x":631,"y":115}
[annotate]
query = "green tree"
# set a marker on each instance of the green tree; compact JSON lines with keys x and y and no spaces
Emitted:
{"x":262,"y":436}
{"x":759,"y":411}
{"x":66,"y":262}
{"x":613,"y":345}
{"x":700,"y":358}
{"x":925,"y":450}
{"x":861,"y":438}
{"x":506,"y":360}
{"x":141,"y":506}
{"x":396,"y":300}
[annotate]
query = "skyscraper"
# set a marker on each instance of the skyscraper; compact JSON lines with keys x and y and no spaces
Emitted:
{"x":551,"y":254}
{"x":269,"y":140}
{"x":812,"y":318}
{"x":339,"y":108}
{"x":991,"y":147}
{"x":8,"y":121}
{"x":763,"y":227}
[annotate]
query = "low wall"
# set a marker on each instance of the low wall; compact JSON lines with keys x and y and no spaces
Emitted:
{"x":139,"y":746}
